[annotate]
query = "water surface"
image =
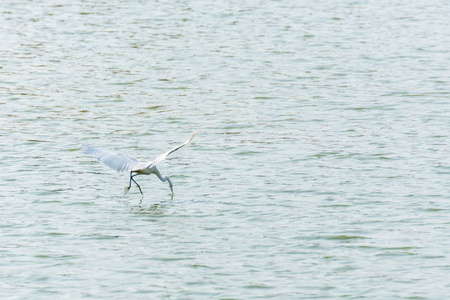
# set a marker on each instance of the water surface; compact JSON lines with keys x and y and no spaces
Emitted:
{"x":321,"y":169}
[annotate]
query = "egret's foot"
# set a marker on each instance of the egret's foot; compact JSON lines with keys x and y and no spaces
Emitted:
{"x":171,"y":196}
{"x":125,"y":191}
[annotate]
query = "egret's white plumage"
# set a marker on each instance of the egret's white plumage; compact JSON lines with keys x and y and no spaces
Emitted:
{"x":117,"y":161}
{"x":124,"y":163}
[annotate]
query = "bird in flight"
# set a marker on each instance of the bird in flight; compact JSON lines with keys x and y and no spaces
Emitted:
{"x":123,"y":163}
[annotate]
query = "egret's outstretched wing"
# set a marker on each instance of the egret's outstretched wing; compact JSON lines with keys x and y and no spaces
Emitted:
{"x":117,"y":161}
{"x":164,"y":155}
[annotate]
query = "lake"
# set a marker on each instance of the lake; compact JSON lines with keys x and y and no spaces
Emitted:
{"x":321,"y":169}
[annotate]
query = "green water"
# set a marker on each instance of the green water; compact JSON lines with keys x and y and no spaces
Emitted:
{"x":321,"y":169}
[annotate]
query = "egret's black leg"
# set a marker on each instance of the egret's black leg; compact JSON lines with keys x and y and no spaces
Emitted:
{"x":129,"y":186}
{"x":131,"y":178}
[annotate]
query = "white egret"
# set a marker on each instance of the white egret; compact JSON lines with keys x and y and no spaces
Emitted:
{"x":123,"y":163}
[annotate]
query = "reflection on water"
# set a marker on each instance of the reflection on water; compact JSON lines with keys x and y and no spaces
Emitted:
{"x":320,"y":169}
{"x":154,"y":209}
